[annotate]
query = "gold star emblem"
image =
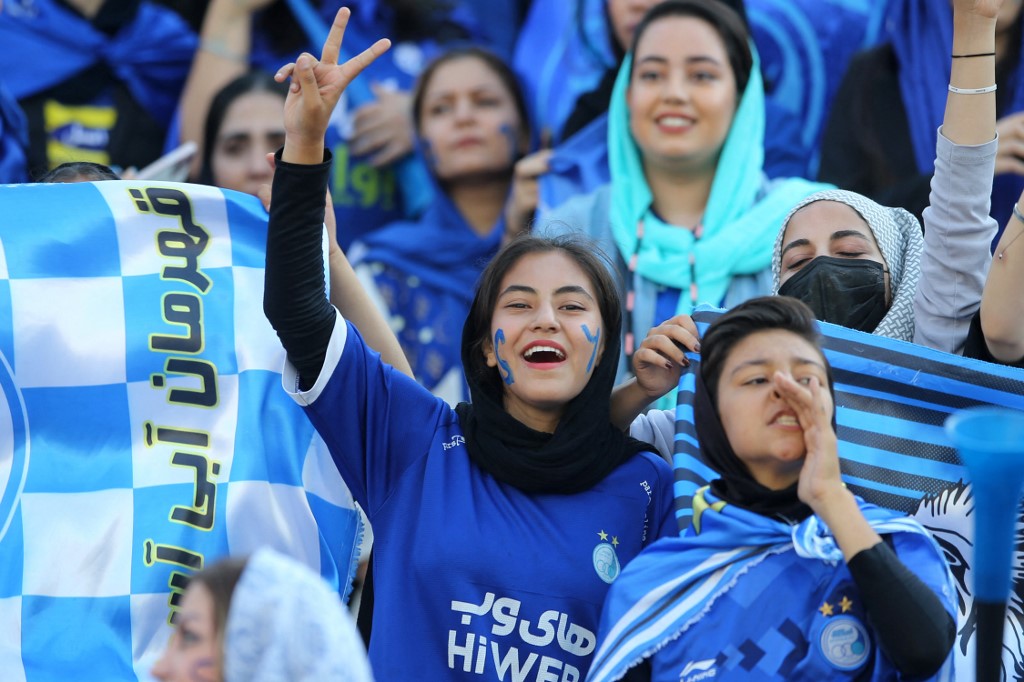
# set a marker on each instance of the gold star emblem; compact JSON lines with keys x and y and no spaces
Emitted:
{"x":615,"y":541}
{"x":826,"y":609}
{"x":601,"y":534}
{"x":846,"y":604}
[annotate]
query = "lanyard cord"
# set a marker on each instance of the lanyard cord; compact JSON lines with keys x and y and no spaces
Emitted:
{"x":629,"y":343}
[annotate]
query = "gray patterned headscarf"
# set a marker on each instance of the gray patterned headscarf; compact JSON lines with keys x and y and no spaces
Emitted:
{"x":285,"y":624}
{"x":899,"y":239}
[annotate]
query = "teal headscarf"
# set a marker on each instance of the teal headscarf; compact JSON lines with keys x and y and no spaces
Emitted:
{"x":740,"y":222}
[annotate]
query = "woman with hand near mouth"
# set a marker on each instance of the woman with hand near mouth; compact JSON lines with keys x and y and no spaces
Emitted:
{"x":499,"y":524}
{"x":689,"y":214}
{"x":471,"y":121}
{"x":842,"y":589}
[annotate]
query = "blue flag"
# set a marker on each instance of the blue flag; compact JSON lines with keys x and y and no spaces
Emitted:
{"x":892,"y":399}
{"x":144,"y":432}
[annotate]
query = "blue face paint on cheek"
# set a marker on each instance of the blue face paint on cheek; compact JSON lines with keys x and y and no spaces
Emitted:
{"x":427,"y":152}
{"x":512,"y":137}
{"x":593,"y":339}
{"x":503,"y":367}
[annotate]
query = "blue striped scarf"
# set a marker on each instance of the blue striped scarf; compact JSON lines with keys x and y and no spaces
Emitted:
{"x":672,"y":585}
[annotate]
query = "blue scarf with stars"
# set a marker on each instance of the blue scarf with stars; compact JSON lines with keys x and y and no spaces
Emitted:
{"x":673,"y":585}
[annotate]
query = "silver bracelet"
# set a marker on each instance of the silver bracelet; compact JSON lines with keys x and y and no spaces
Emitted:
{"x":1019,"y":216}
{"x":972,"y":91}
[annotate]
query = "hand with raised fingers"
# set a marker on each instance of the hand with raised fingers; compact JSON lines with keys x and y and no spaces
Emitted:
{"x":317,"y":85}
{"x":661,"y":357}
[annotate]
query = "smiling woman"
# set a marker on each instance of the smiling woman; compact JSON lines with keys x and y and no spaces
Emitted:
{"x":466,"y":504}
{"x":689,"y":216}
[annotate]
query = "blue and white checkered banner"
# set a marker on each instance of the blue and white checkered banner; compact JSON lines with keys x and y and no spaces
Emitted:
{"x":144,"y":432}
{"x":892,"y":399}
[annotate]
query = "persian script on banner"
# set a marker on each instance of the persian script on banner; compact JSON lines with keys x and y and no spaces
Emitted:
{"x":144,"y":432}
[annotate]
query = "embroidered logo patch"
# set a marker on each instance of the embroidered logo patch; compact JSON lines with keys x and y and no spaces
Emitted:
{"x":844,"y":643}
{"x":606,"y":562}
{"x":695,"y":671}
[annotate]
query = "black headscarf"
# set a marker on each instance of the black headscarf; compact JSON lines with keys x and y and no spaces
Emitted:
{"x":582,"y":451}
{"x":736,"y":485}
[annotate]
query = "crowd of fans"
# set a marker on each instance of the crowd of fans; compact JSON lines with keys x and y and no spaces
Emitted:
{"x":876,"y":177}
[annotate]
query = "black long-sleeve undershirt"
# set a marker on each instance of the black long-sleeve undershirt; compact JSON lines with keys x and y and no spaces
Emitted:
{"x":294,"y":298}
{"x":914,"y":630}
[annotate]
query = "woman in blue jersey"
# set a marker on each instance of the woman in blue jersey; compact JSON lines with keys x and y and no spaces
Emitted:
{"x":471,"y":120}
{"x":498,"y":525}
{"x":689,"y":214}
{"x":783,"y":573}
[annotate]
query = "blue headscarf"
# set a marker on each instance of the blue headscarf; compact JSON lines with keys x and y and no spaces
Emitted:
{"x":45,"y":44}
{"x":435,"y":261}
{"x":740,"y":221}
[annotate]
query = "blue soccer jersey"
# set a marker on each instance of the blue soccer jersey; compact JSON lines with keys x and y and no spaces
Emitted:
{"x":474,"y":578}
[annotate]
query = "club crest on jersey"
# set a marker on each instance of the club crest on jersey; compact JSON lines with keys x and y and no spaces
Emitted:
{"x":844,"y":642}
{"x":606,"y":561}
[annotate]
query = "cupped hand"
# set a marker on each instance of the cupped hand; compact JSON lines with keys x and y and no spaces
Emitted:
{"x":820,"y":477}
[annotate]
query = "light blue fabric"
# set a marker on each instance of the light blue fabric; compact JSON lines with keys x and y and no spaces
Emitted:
{"x":730,"y":558}
{"x":143,"y":431}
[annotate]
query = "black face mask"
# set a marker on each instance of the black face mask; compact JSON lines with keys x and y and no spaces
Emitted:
{"x":845,"y":291}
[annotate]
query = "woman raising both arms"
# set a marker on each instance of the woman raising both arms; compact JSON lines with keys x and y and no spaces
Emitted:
{"x":500,"y":524}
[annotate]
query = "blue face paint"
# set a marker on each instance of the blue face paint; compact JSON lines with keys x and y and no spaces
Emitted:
{"x":499,"y":339}
{"x":593,"y":339}
{"x":512,"y":136}
{"x":427,"y":152}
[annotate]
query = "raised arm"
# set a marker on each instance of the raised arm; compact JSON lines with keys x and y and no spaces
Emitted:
{"x":349,"y":296}
{"x":225,"y":41}
{"x":958,"y":228}
{"x":294,"y":301}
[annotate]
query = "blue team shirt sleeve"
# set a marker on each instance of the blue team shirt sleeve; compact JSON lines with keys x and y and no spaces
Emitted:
{"x":375,"y":420}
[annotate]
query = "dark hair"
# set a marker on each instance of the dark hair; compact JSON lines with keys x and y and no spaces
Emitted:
{"x":492,"y":61}
{"x":79,"y":171}
{"x":752,"y":316}
{"x":220,"y":579}
{"x":254,"y":80}
{"x":729,"y":25}
{"x":578,"y":249}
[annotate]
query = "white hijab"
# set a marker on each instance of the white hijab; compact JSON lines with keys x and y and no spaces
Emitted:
{"x":286,"y":624}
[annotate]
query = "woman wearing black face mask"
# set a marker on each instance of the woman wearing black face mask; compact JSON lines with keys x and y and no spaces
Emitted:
{"x":854,"y":262}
